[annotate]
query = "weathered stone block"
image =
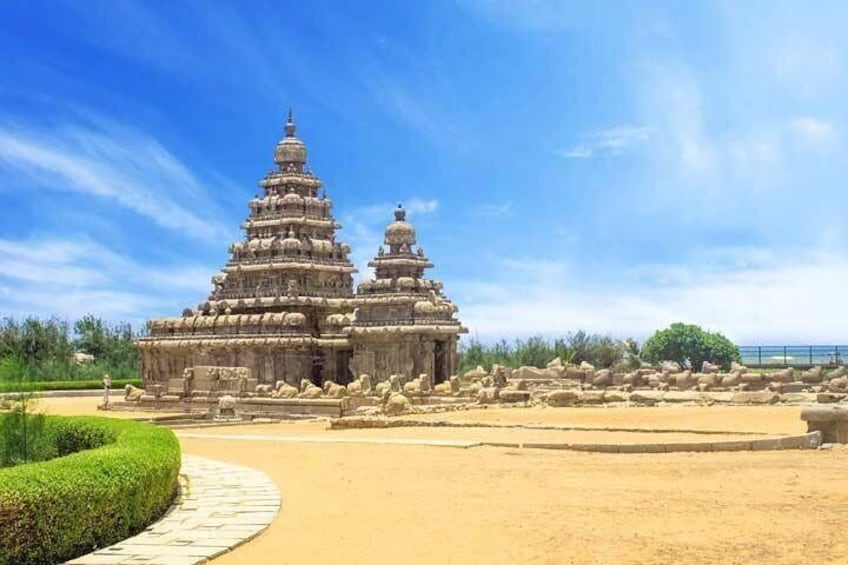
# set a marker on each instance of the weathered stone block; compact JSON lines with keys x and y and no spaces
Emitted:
{"x":616,"y":396}
{"x":562,"y":398}
{"x":646,"y":397}
{"x":507,"y":395}
{"x":592,"y":397}
{"x":755,"y":397}
{"x":831,"y":421}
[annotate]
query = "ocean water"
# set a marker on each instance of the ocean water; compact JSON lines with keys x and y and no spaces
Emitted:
{"x":754,"y":355}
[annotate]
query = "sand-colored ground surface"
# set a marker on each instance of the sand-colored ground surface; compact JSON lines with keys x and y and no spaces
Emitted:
{"x":85,"y":406}
{"x":761,"y":419}
{"x":360,"y":503}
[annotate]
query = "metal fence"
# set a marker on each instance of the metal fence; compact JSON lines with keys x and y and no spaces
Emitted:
{"x":794,"y":355}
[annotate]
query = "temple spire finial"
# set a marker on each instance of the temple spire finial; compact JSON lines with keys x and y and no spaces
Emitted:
{"x":290,"y":127}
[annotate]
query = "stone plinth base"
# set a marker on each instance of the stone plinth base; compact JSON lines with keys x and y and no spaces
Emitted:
{"x":831,"y":421}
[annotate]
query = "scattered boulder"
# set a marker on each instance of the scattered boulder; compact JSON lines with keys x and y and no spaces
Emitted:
{"x":555,"y":368}
{"x":530,"y":373}
{"x":632,"y":379}
{"x":498,"y":376}
{"x":425,"y":383}
{"x":787,"y":375}
{"x":132,"y":393}
{"x":670,"y":367}
{"x":487,"y":395}
{"x":707,"y":367}
{"x":309,"y":390}
{"x":227,"y":405}
{"x":284,"y":390}
{"x":603,"y":378}
{"x":706,"y":381}
{"x":512,"y":395}
{"x":476,"y":374}
{"x":737,"y":368}
{"x":812,"y":376}
{"x":839,"y":384}
{"x":682,"y":380}
{"x":412,"y":388}
{"x":730,"y":380}
{"x":382,"y":389}
{"x":751,"y":378}
{"x":334,"y":390}
{"x":394,"y":383}
{"x":519,"y":384}
{"x":397,"y":404}
{"x":836,"y":373}
{"x":451,"y":387}
{"x":575,"y":374}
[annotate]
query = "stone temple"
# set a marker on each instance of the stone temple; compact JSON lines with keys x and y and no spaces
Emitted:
{"x":284,"y":305}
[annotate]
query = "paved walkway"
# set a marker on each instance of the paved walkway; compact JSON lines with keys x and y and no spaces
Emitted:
{"x":221,"y":506}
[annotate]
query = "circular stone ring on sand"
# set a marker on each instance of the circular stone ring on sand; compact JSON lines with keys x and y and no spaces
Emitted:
{"x":220,"y":507}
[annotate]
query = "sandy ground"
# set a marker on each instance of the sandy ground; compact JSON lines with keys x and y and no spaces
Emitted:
{"x":762,"y":419}
{"x":350,"y":503}
{"x":85,"y":406}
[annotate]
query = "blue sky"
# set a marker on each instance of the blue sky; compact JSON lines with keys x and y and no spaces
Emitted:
{"x":613,"y":167}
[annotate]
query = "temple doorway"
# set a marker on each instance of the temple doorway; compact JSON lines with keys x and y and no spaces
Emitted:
{"x":343,"y":375}
{"x":439,"y":372}
{"x":317,"y":368}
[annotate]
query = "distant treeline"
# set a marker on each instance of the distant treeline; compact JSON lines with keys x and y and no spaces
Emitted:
{"x":46,"y":349}
{"x":537,"y":351}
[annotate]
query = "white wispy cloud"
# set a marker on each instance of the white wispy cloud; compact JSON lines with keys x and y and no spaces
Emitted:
{"x":112,"y":162}
{"x":77,"y":276}
{"x":613,"y":140}
{"x":780,"y":299}
{"x":493,"y":209}
{"x":813,"y":131}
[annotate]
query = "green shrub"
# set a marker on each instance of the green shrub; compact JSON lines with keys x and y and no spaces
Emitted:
{"x":41,"y":386}
{"x":118,"y":476}
{"x":690,"y":346}
{"x":536,"y":351}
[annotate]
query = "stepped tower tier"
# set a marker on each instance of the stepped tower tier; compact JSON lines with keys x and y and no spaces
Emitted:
{"x":290,"y":248}
{"x":270,"y":305}
{"x":403,"y":324}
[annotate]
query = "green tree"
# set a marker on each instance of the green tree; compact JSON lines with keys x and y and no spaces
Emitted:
{"x":690,"y":346}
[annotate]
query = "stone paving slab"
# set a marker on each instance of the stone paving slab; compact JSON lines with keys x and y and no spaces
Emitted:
{"x":221,"y":506}
{"x":319,"y":439}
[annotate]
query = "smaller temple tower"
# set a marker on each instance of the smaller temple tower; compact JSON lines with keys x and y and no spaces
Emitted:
{"x":403,"y":323}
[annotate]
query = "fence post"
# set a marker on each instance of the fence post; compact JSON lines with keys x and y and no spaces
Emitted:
{"x":784,"y":356}
{"x":759,"y":355}
{"x":811,"y":355}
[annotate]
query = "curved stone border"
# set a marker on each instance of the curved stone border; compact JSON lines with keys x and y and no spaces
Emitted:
{"x":380,"y":422}
{"x":810,"y":440}
{"x":220,"y":507}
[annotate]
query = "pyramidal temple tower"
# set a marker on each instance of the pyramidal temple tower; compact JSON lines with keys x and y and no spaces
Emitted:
{"x":284,"y":307}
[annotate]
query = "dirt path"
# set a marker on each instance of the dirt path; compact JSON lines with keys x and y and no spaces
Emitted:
{"x":355,"y":503}
{"x":389,"y":504}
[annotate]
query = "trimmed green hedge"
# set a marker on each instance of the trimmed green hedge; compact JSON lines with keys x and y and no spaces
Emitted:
{"x":112,"y":478}
{"x":41,"y":386}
